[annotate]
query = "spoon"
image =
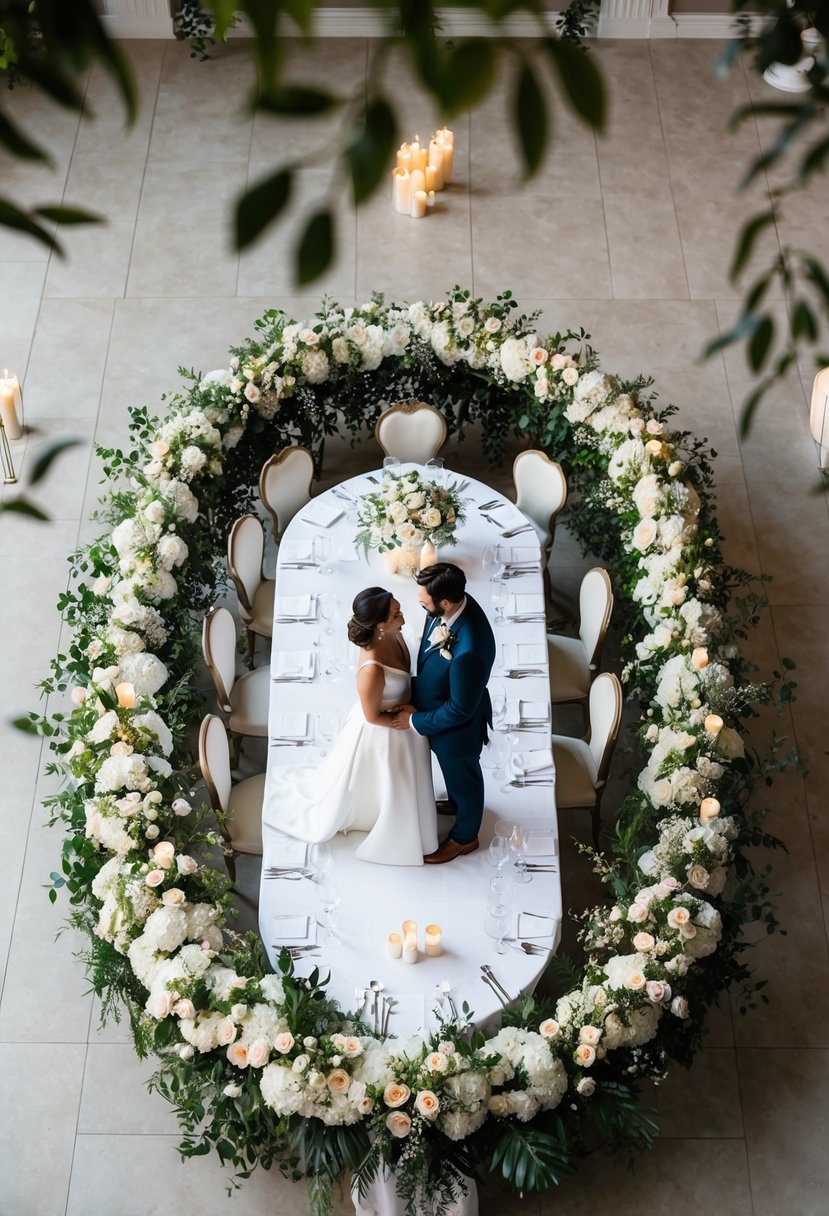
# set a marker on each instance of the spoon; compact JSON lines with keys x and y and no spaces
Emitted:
{"x":390,"y":1004}
{"x":531,"y":948}
{"x":376,"y":987}
{"x":360,"y":998}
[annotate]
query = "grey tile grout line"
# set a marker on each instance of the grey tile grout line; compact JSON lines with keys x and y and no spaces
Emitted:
{"x":671,"y":180}
{"x":235,"y":295}
{"x":125,"y":289}
{"x":77,"y":1133}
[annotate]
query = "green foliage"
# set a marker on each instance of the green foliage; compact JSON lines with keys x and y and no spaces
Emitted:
{"x":531,"y":1160}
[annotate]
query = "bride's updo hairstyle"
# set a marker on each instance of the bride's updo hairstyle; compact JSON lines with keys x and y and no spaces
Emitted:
{"x":370,"y":608}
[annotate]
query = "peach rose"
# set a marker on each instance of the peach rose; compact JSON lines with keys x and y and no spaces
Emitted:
{"x":550,"y":1030}
{"x":78,"y":695}
{"x":677,"y":917}
{"x":635,"y":981}
{"x":570,"y":376}
{"x":174,"y":897}
{"x":658,"y":990}
{"x":538,"y":356}
{"x":258,"y":1053}
{"x":284,"y":1042}
{"x":399,"y":1123}
{"x":427,"y":1104}
{"x":637,"y":913}
{"x":699,"y":657}
{"x":163,"y":854}
{"x":644,"y":534}
{"x":226,"y":1032}
{"x":654,"y":447}
{"x":184,"y":1009}
{"x":338,"y":1081}
{"x":352,"y":1047}
{"x":154,"y":878}
{"x":159,"y":448}
{"x":590,"y":1035}
{"x":395,"y":1094}
{"x":698,"y":877}
{"x":643,"y":941}
{"x":186,"y":864}
{"x":585,"y":1055}
{"x":159,"y":1005}
{"x":237,"y":1053}
{"x":637,"y":426}
{"x":436,"y":1062}
{"x":653,"y":427}
{"x":365,"y":1106}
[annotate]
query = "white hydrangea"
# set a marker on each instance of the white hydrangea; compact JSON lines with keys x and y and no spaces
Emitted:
{"x":183,"y":500}
{"x":150,"y":721}
{"x":315,"y":366}
{"x":145,"y":672}
{"x":165,"y":930}
{"x":515,"y":359}
{"x":172,"y":551}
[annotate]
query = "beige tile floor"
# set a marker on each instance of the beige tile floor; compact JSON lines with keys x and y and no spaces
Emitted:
{"x":628,"y":236}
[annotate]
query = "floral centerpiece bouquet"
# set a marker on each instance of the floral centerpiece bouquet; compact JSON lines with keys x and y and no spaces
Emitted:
{"x":405,"y":512}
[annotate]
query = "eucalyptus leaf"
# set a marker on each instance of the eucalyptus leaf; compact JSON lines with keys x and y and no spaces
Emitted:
{"x":19,"y":144}
{"x":12,"y":217}
{"x":260,"y":205}
{"x":531,"y":118}
{"x":370,"y":151}
{"x":581,"y":81}
{"x":468,"y":73}
{"x":294,"y":100}
{"x":316,"y":247}
{"x":47,"y":455}
{"x":760,"y":342}
{"x":747,"y":240}
{"x":22,"y":506}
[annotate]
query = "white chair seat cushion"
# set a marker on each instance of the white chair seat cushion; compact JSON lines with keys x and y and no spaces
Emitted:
{"x":249,"y":703}
{"x":261,"y":620}
{"x":575,"y":772}
{"x":245,"y":821}
{"x":569,"y":672}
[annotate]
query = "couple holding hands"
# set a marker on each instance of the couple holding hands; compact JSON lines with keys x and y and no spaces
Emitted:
{"x":377,"y":778}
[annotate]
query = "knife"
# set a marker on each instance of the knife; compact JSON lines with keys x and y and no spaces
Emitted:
{"x":492,"y":987}
{"x":487,"y":970}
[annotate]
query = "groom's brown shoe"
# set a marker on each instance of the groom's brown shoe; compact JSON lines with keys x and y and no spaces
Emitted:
{"x":449,"y":850}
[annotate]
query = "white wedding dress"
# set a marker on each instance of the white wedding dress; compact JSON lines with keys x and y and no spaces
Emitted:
{"x":374,"y":779}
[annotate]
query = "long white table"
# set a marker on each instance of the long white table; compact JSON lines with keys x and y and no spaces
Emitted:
{"x":375,"y":899}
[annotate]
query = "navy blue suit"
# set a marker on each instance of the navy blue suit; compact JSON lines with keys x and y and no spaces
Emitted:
{"x":453,"y":711}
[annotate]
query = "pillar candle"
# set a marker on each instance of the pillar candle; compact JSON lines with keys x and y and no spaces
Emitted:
{"x":446,"y":141}
{"x":409,"y":926}
{"x":13,"y":414}
{"x":420,"y":156}
{"x":417,"y":180}
{"x":410,"y":948}
{"x":430,"y":199}
{"x":8,"y":413}
{"x":709,"y":808}
{"x":431,"y":179}
{"x":402,"y":190}
{"x":404,"y":157}
{"x":431,"y":941}
{"x":395,"y":945}
{"x":418,"y":204}
{"x":436,"y":163}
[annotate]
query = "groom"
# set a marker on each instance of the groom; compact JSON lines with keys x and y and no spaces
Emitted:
{"x":451,"y":702}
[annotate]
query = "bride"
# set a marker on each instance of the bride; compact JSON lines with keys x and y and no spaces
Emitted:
{"x":375,"y":779}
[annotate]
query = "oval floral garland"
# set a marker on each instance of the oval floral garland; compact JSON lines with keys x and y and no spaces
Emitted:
{"x":264,"y":1067}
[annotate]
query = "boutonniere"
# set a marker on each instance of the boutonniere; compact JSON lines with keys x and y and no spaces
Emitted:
{"x":444,"y":639}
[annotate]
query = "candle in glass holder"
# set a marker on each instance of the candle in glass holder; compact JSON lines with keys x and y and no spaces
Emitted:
{"x":11,"y":405}
{"x":431,"y":940}
{"x":418,"y":204}
{"x":126,"y":695}
{"x":713,"y":724}
{"x":709,"y":808}
{"x":410,"y":948}
{"x":394,"y":945}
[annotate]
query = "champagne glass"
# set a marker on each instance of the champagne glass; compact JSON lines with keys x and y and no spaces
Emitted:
{"x":319,"y":860}
{"x":518,"y":844}
{"x":498,"y":699}
{"x":328,"y":896}
{"x":330,"y":608}
{"x":498,"y":853}
{"x":496,"y":927}
{"x":498,"y":889}
{"x":322,"y":554}
{"x":328,"y":725}
{"x":437,"y":471}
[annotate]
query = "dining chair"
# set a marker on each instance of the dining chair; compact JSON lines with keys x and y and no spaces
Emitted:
{"x":245,"y":551}
{"x":573,"y":662}
{"x":238,"y":807}
{"x":582,"y":766}
{"x":541,"y":493}
{"x":411,"y":430}
{"x":285,"y":485}
{"x":243,"y":702}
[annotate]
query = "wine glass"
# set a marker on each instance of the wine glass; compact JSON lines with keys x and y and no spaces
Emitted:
{"x":391,"y":464}
{"x":319,"y":860}
{"x":437,"y":470}
{"x":518,"y":844}
{"x":499,"y":598}
{"x":496,"y":926}
{"x":498,"y":700}
{"x":330,"y":608}
{"x":492,"y":562}
{"x":322,"y":554}
{"x":497,"y":899}
{"x":328,"y":896}
{"x":498,"y":853}
{"x":328,"y":725}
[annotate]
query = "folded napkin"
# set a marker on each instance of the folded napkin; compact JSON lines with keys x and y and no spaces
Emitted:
{"x":322,"y":512}
{"x":524,"y":654}
{"x":296,"y":551}
{"x":289,"y":726}
{"x":539,"y":842}
{"x":526,"y":605}
{"x":290,"y":928}
{"x":284,"y":851}
{"x":295,"y":607}
{"x":530,"y":925}
{"x":346,"y":553}
{"x":527,"y":711}
{"x":521,"y":554}
{"x":536,"y":760}
{"x":296,"y":663}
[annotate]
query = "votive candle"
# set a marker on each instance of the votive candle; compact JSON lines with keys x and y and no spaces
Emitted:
{"x":394,"y":945}
{"x":431,"y":940}
{"x":418,"y":204}
{"x":410,"y":948}
{"x":126,"y":695}
{"x":401,"y":190}
{"x":709,"y":808}
{"x":713,"y":724}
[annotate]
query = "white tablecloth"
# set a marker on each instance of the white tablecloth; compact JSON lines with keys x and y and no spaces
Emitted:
{"x":376,"y":899}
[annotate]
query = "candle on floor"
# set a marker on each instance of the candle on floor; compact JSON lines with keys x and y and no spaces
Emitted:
{"x":11,"y":404}
{"x":713,"y":724}
{"x":431,"y":179}
{"x":394,"y":945}
{"x":410,"y":948}
{"x":709,"y":808}
{"x":430,"y":198}
{"x":418,"y":204}
{"x":446,"y":141}
{"x":418,"y":180}
{"x":431,"y":941}
{"x":401,"y":185}
{"x":436,"y":162}
{"x":404,"y":157}
{"x":420,"y":156}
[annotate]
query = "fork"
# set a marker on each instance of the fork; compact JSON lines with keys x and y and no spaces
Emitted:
{"x":515,"y":531}
{"x":518,"y":673}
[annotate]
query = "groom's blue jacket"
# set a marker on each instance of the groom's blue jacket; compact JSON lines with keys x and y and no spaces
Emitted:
{"x":451,"y":696}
